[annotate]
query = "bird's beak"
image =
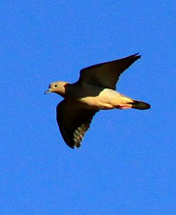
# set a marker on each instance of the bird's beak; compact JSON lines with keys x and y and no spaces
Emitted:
{"x":48,"y":91}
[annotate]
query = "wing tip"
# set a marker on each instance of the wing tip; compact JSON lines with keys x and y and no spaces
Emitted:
{"x":132,"y":58}
{"x":73,"y":146}
{"x":136,"y":55}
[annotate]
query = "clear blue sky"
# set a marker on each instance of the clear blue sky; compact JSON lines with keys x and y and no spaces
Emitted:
{"x":127,"y":162}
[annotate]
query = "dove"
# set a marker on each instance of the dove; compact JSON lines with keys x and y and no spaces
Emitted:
{"x":95,"y":90}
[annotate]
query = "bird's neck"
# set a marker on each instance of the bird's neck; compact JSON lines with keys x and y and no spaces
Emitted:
{"x":63,"y":91}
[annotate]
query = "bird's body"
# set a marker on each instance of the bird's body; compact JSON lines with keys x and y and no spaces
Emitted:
{"x":94,"y":91}
{"x":105,"y":100}
{"x":93,"y":97}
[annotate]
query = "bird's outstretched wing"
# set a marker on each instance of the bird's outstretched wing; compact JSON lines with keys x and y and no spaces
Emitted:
{"x":106,"y":74}
{"x":73,"y":122}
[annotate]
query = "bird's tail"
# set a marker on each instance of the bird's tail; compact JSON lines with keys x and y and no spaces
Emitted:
{"x":139,"y":105}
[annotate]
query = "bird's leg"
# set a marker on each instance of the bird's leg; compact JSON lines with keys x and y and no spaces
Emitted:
{"x":124,"y":106}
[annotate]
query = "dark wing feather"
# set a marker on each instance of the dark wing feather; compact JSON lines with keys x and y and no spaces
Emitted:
{"x":106,"y":74}
{"x":73,"y":122}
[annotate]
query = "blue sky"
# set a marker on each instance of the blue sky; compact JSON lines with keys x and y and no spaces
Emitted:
{"x":126,"y":164}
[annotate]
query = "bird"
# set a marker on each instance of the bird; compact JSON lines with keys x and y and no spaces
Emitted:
{"x":95,"y":90}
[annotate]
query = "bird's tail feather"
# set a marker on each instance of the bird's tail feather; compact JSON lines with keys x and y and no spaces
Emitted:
{"x":140,"y":105}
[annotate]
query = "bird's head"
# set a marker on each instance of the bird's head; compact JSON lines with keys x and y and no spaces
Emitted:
{"x":57,"y":87}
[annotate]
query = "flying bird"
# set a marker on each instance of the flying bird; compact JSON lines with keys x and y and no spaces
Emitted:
{"x":95,"y":90}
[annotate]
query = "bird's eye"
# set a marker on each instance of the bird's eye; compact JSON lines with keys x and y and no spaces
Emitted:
{"x":55,"y":85}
